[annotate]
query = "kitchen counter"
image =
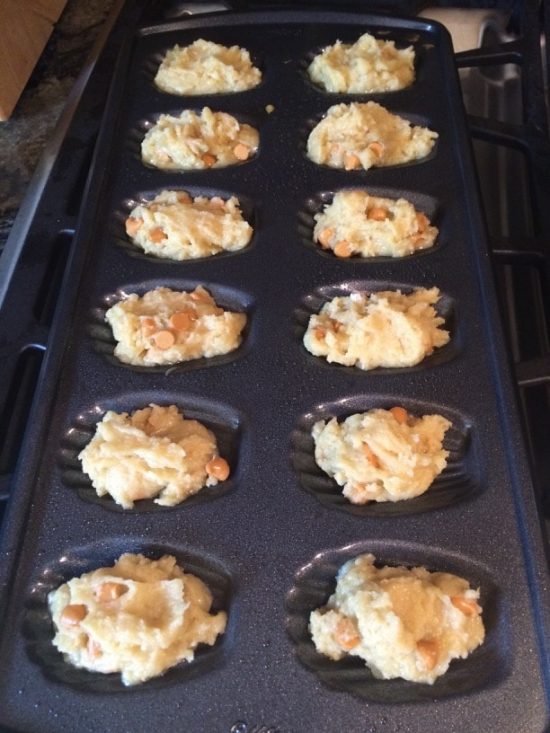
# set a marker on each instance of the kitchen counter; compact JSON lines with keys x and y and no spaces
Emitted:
{"x":23,"y":137}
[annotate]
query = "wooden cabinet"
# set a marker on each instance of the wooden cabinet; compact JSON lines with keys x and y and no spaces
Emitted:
{"x":25,"y":27}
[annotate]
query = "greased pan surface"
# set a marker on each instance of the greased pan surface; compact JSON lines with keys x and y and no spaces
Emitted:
{"x":269,"y":542}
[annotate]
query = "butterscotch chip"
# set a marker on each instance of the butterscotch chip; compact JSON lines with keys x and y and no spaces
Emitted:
{"x":351,"y":162}
{"x":157,"y":235}
{"x":343,"y":249}
{"x":208,"y":159}
{"x":163,"y":340}
{"x":133,"y":225}
{"x":107,"y":592}
{"x":400,"y":621}
{"x":73,"y":614}
{"x":218,"y":468}
{"x":429,"y":652}
{"x":241,"y":151}
{"x":182,"y":321}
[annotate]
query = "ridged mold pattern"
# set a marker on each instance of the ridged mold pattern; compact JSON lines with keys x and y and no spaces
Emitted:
{"x":150,"y":67}
{"x":316,"y":204}
{"x":38,"y":627}
{"x":120,"y":215}
{"x":225,"y":422}
{"x":486,"y":666}
{"x":313,"y":302}
{"x":459,"y":481}
{"x":226,"y":297}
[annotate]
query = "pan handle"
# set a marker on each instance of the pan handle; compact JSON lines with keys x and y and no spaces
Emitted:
{"x":179,"y":9}
{"x":21,"y":370}
{"x":30,"y":283}
{"x":182,"y":8}
{"x":533,"y":372}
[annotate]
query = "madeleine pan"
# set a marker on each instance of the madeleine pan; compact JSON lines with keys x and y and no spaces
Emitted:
{"x":270,"y":540}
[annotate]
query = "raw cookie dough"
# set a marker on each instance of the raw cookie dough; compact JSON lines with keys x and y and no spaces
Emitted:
{"x":366,"y":66}
{"x":363,"y":135}
{"x":139,"y":617}
{"x":356,"y":223}
{"x":403,"y":623}
{"x":198,"y":141}
{"x":153,"y":452}
{"x":206,"y":68}
{"x":384,"y":329}
{"x":167,"y":327}
{"x":382,"y":455}
{"x":175,"y":226}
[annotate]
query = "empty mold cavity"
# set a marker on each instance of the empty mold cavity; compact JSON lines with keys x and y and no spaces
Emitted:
{"x":313,"y":302}
{"x":39,"y":632}
{"x":316,"y":204}
{"x":460,"y":480}
{"x":227,"y":298}
{"x":141,"y":128}
{"x":307,"y":127}
{"x":225,"y":422}
{"x":486,"y":666}
{"x":121,"y":239}
{"x":50,"y":287}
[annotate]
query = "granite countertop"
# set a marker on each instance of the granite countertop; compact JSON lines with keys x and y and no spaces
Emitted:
{"x":23,"y":137}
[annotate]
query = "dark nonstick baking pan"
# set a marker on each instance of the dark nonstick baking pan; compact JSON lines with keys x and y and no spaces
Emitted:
{"x":270,"y":541}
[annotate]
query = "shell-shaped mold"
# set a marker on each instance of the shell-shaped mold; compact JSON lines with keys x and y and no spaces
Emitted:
{"x":416,"y":120}
{"x":315,"y":582}
{"x":402,"y":40}
{"x":314,"y":301}
{"x":225,"y":422}
{"x":152,"y":62}
{"x":226,"y":297}
{"x":315,"y":205}
{"x":459,"y":481}
{"x":142,"y":127}
{"x":38,"y":627}
{"x":121,"y":239}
